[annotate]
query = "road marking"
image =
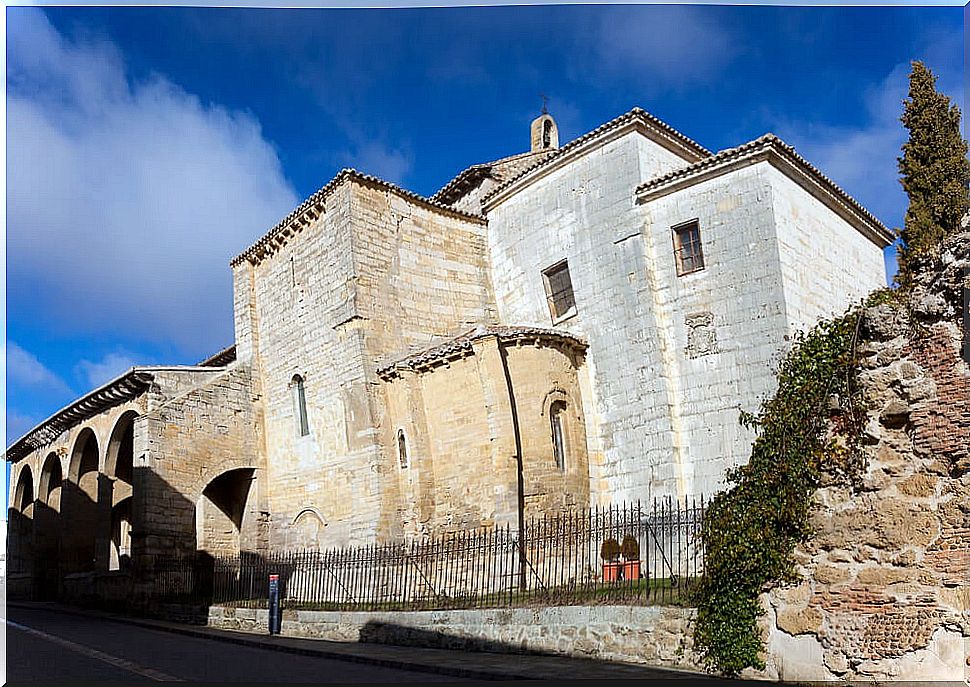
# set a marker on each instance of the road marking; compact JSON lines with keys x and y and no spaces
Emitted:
{"x":130,"y":666}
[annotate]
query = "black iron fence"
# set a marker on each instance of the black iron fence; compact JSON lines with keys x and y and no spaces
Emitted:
{"x":622,"y":554}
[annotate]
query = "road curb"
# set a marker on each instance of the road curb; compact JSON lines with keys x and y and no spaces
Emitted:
{"x":240,"y":638}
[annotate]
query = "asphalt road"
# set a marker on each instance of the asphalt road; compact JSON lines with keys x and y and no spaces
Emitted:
{"x":45,"y":645}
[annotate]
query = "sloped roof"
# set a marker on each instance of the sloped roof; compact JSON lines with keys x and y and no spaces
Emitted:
{"x":311,"y":208}
{"x":756,"y":150}
{"x":688,"y":148}
{"x":220,"y":359}
{"x":461,"y":345}
{"x":465,"y":179}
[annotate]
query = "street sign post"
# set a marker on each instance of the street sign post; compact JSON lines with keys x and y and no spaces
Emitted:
{"x":275,"y":618}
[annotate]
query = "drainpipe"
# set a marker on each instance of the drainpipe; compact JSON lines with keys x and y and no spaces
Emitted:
{"x":518,"y":463}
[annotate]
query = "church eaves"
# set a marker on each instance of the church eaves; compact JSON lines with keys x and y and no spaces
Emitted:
{"x":665,"y":134}
{"x":461,"y":346}
{"x":770,"y":147}
{"x":311,"y":208}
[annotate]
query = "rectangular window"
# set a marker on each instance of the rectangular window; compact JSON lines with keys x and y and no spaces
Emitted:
{"x":559,"y":290}
{"x":687,"y":248}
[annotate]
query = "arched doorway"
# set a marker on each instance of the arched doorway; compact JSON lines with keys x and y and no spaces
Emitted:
{"x":46,"y":526}
{"x":221,"y":512}
{"x":21,"y":524}
{"x":81,"y":505}
{"x":119,"y":467}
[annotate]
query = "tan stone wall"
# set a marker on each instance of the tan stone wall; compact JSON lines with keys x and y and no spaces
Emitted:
{"x":458,"y":422}
{"x":376,"y":274}
{"x":422,"y":274}
{"x":541,"y":376}
{"x":192,"y":439}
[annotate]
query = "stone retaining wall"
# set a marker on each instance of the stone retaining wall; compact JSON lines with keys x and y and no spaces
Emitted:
{"x":652,"y":635}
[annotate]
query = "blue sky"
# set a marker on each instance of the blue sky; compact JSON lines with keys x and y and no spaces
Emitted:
{"x":147,"y":146}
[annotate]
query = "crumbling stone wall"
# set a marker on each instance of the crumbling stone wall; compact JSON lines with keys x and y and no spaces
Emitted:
{"x":885,"y":585}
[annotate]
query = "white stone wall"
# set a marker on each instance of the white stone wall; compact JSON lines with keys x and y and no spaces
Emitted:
{"x":673,"y":359}
{"x":737,"y":299}
{"x":826,"y":263}
{"x":584,"y":212}
{"x":376,"y":275}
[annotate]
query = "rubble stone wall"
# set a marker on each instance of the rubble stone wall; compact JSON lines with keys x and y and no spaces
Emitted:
{"x":885,"y":585}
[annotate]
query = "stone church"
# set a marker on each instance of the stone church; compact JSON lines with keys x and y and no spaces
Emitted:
{"x":567,"y":326}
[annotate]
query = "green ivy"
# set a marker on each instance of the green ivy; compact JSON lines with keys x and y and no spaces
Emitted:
{"x":751,"y":530}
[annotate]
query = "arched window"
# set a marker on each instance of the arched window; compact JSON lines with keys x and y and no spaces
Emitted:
{"x":299,"y":405}
{"x":547,"y":134}
{"x":402,"y":449}
{"x":556,"y":413}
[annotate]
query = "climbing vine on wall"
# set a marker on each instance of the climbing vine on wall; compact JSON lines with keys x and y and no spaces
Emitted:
{"x":812,"y":425}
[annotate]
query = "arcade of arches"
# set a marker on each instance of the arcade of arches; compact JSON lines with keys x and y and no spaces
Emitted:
{"x":78,"y":514}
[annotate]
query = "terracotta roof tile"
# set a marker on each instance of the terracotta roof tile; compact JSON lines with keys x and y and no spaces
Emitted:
{"x":762,"y":145}
{"x":462,"y":344}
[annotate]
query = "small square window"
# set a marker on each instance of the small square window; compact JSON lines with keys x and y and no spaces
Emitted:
{"x":687,"y":248}
{"x":559,"y":290}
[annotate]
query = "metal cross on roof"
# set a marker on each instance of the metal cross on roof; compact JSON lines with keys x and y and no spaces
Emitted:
{"x":545,"y":103}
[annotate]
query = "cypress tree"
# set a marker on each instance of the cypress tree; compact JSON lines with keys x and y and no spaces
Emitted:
{"x":934,"y":168}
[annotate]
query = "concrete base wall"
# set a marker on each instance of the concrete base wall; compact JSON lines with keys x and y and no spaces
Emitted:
{"x":652,"y":635}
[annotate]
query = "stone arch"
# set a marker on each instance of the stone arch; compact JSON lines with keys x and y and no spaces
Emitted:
{"x":23,"y":500}
{"x":80,"y":504}
{"x":306,"y":530}
{"x":222,"y":510}
{"x":119,"y":488}
{"x":20,"y":521}
{"x":47,"y":514}
{"x":85,"y":456}
{"x":119,"y":457}
{"x":50,"y":483}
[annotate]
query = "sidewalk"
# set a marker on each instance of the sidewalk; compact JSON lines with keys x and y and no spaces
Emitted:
{"x":463,"y":664}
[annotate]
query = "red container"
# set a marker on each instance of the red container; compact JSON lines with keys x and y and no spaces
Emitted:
{"x":631,"y":570}
{"x":612,"y":571}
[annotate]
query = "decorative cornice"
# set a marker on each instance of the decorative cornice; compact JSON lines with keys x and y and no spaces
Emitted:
{"x":311,"y":209}
{"x":771,"y":148}
{"x":123,"y":388}
{"x":686,"y":147}
{"x":461,"y":346}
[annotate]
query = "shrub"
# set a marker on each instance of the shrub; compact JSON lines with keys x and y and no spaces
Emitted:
{"x":610,"y":549}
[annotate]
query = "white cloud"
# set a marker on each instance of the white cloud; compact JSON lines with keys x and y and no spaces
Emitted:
{"x":669,"y":45}
{"x":18,"y":424}
{"x":98,"y":372}
{"x":127,"y":199}
{"x":862,"y":159}
{"x":26,"y":371}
